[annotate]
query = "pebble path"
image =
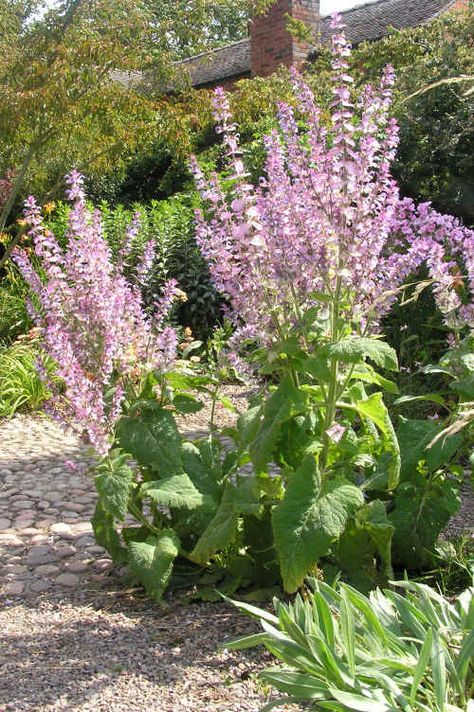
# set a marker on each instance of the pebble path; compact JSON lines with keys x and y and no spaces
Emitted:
{"x":46,"y":539}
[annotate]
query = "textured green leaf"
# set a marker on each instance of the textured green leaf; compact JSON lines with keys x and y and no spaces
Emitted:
{"x":422,"y":509}
{"x":309,"y":519}
{"x":222,"y":529}
{"x":113,"y":483}
{"x":367,"y":374}
{"x":414,"y":437}
{"x":175,"y":491}
{"x":106,"y":535}
{"x":187,"y":404}
{"x":151,"y":561}
{"x":284,"y":403}
{"x":375,"y":410}
{"x":364,"y":552}
{"x":203,"y":477}
{"x":356,"y":349}
{"x":153,"y":440}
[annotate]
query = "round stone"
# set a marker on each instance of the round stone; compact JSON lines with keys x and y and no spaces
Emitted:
{"x":76,"y":567}
{"x":47,"y":570}
{"x":15,"y":569}
{"x":71,"y":507}
{"x":40,"y":555}
{"x":21,"y":524}
{"x":68,"y":580}
{"x":40,"y":586}
{"x":84,"y":542}
{"x":10,"y":540}
{"x":30,"y":531}
{"x":4,"y":523}
{"x":23,"y":504}
{"x":102,"y":565}
{"x":82,"y":528}
{"x":14,"y":588}
{"x":52,"y":496}
{"x":62,"y":552}
{"x":62,"y":529}
{"x":38,"y":539}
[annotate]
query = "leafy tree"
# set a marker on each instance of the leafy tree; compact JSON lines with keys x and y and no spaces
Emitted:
{"x":436,"y":156}
{"x":74,"y":82}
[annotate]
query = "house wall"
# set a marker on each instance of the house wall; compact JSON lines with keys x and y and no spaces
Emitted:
{"x":272,"y":44}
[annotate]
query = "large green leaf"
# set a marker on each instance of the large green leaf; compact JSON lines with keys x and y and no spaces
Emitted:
{"x":374,"y":409}
{"x":355,"y":349}
{"x":153,"y":440}
{"x":203,"y":476}
{"x":364,"y":551}
{"x":285,"y":402}
{"x":415,"y":436}
{"x":152,"y":561}
{"x":309,"y":519}
{"x":113,"y":483}
{"x":237,"y":500}
{"x":175,"y":491}
{"x":422,"y":509}
{"x":106,"y":535}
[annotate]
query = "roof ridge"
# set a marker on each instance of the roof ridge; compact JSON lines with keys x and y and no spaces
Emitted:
{"x":371,"y":3}
{"x":212,"y":51}
{"x":356,"y":7}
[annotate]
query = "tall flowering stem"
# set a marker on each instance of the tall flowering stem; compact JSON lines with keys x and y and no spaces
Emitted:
{"x":326,"y":218}
{"x":92,"y":320}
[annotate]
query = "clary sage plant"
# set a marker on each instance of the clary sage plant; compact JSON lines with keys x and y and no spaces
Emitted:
{"x":310,"y":261}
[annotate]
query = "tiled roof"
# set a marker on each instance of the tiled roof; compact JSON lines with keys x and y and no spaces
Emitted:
{"x":372,"y":20}
{"x":365,"y":22}
{"x":233,"y":60}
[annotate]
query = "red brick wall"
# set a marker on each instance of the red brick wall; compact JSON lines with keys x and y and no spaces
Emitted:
{"x":271,"y":44}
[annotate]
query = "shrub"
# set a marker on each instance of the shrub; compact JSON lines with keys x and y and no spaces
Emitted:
{"x":21,"y":387}
{"x":343,"y":651}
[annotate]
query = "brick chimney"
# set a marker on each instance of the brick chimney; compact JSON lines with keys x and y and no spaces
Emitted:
{"x":271,"y":43}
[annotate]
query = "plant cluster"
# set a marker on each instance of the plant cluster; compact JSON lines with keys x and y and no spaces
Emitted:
{"x":91,"y":319}
{"x":309,"y":262}
{"x":344,"y":651}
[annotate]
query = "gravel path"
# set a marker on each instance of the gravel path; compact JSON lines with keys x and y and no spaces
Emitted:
{"x":75,"y":638}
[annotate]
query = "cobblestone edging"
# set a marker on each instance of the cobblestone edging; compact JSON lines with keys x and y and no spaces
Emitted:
{"x":46,"y":539}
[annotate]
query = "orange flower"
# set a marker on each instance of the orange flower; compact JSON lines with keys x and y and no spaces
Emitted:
{"x":49,"y":207}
